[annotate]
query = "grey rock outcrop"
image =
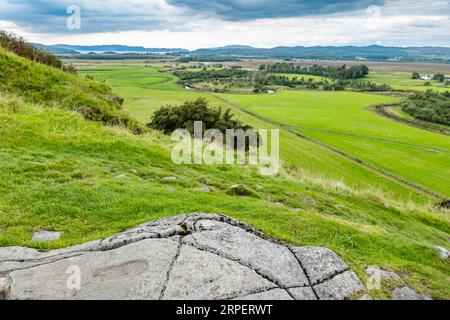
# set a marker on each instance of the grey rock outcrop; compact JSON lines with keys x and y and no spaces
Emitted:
{"x":204,"y":189}
{"x":170,"y":179}
{"x":406,"y":293}
{"x":195,"y":256}
{"x":375,"y":271}
{"x":46,"y":236}
{"x":242,"y":191}
{"x":443,"y":252}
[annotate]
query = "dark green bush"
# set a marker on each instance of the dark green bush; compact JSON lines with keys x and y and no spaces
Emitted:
{"x":170,"y":118}
{"x":429,"y":106}
{"x":343,"y":72}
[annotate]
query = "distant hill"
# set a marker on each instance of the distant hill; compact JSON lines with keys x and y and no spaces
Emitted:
{"x":53,"y":49}
{"x":64,"y":48}
{"x":373,"y":52}
{"x":335,"y":53}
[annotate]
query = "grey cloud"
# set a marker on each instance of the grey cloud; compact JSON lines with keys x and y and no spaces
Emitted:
{"x":50,"y":16}
{"x":236,"y":10}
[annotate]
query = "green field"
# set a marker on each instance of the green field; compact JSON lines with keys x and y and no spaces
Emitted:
{"x":337,"y":119}
{"x":403,"y":81}
{"x":145,"y":90}
{"x":343,"y":121}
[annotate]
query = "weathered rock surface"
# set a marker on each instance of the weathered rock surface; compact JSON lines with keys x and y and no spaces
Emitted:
{"x":170,"y":179}
{"x":339,"y":287}
{"x":46,"y":236}
{"x":375,"y":271}
{"x":443,"y":252}
{"x":319,"y":263}
{"x":241,"y":190}
{"x":195,"y":256}
{"x":205,"y":189}
{"x":406,"y":293}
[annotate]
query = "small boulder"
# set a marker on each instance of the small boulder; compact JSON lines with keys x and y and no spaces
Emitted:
{"x":406,"y":293}
{"x":46,"y":236}
{"x":241,"y":190}
{"x":121,"y":176}
{"x":375,"y":271}
{"x":170,"y":179}
{"x":133,"y":171}
{"x":259,"y":187}
{"x":443,"y":252}
{"x":445,"y":204}
{"x":205,"y":189}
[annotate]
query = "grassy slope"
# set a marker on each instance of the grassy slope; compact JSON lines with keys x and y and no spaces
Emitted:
{"x":339,"y":119}
{"x":55,"y":174}
{"x":145,"y":90}
{"x":40,"y":84}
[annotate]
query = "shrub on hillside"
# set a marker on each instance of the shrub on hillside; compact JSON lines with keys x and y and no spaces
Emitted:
{"x":170,"y":118}
{"x":19,"y":46}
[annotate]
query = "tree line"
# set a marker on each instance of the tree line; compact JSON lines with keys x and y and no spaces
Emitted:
{"x":430,"y":106}
{"x":343,"y":72}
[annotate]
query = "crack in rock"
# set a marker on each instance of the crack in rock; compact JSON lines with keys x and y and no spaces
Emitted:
{"x":306,"y":273}
{"x":271,"y":294}
{"x":177,"y":254}
{"x":191,"y":256}
{"x":220,"y":254}
{"x":339,"y":287}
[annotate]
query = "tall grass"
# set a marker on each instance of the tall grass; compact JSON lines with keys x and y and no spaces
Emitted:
{"x":51,"y":87}
{"x":19,"y":46}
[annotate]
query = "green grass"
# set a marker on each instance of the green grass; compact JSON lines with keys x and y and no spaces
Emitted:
{"x":59,"y":172}
{"x":146,"y":90}
{"x":55,"y":174}
{"x":41,"y":84}
{"x":344,"y":121}
{"x":403,"y":81}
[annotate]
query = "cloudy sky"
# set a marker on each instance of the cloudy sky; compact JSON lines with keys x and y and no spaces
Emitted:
{"x":208,"y":23}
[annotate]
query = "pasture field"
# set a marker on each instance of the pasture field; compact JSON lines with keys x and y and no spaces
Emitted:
{"x":146,"y":89}
{"x":344,"y":121}
{"x":403,"y":81}
{"x":56,"y":174}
